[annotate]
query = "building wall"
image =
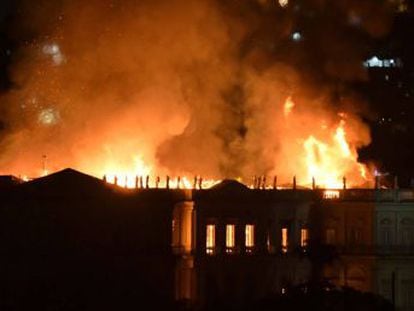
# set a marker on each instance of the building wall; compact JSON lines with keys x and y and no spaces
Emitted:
{"x":245,"y":274}
{"x":394,"y":229}
{"x":362,"y":238}
{"x":375,"y":245}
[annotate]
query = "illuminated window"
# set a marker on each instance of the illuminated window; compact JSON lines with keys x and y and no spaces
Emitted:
{"x":284,"y":240}
{"x":210,"y":239}
{"x":304,"y":237}
{"x":249,"y":237}
{"x":331,"y":194}
{"x":230,"y":238}
{"x":330,"y":236}
{"x":377,"y":62}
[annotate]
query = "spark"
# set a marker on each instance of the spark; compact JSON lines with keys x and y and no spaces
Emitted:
{"x":48,"y":116}
{"x":53,"y":50}
{"x":296,"y":36}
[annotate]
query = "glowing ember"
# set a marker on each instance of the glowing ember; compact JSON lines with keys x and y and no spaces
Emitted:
{"x":288,"y":107}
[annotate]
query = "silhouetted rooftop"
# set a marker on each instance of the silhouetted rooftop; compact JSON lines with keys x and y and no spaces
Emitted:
{"x":65,"y":181}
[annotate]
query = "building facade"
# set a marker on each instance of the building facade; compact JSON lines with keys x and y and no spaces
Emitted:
{"x":229,"y":244}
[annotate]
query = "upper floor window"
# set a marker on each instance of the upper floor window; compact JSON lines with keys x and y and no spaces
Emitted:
{"x":285,"y":240}
{"x":385,"y":236}
{"x":210,"y":239}
{"x":407,"y":237}
{"x":230,"y":238}
{"x":304,"y":237}
{"x":249,"y":235}
{"x":331,"y":194}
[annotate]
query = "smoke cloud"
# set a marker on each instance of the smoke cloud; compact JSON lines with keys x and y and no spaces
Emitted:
{"x":184,"y":86}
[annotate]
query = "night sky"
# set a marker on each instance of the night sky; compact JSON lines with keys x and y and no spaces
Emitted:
{"x":387,"y":94}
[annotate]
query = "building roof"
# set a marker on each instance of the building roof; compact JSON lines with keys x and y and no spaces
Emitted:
{"x":67,"y":181}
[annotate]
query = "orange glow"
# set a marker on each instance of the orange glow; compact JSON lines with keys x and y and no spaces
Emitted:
{"x":141,"y":177}
{"x":151,"y":96}
{"x":328,"y":161}
{"x":340,"y":138}
{"x":304,"y":237}
{"x":125,"y":177}
{"x":317,"y":146}
{"x":210,"y":239}
{"x":284,"y":240}
{"x":249,"y":235}
{"x":331,"y":194}
{"x":230,"y":238}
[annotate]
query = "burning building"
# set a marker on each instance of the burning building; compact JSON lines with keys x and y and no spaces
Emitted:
{"x":72,"y":234}
{"x":219,"y":89}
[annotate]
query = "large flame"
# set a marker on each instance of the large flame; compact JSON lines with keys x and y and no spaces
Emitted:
{"x":327,"y":157}
{"x":197,"y":104}
{"x":330,"y":160}
{"x":321,"y":150}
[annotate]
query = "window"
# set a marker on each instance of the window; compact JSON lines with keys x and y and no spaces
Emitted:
{"x":284,"y":240}
{"x":407,"y":294}
{"x":230,"y":238}
{"x":331,"y":194}
{"x":249,"y":233}
{"x":210,"y":239}
{"x":304,"y":237}
{"x":385,"y":236}
{"x":407,"y":237}
{"x":330,"y":236}
{"x":385,"y":289}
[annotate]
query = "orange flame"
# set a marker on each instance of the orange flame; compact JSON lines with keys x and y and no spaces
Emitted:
{"x":330,"y":161}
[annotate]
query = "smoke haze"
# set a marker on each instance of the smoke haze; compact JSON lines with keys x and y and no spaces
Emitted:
{"x":184,"y":86}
